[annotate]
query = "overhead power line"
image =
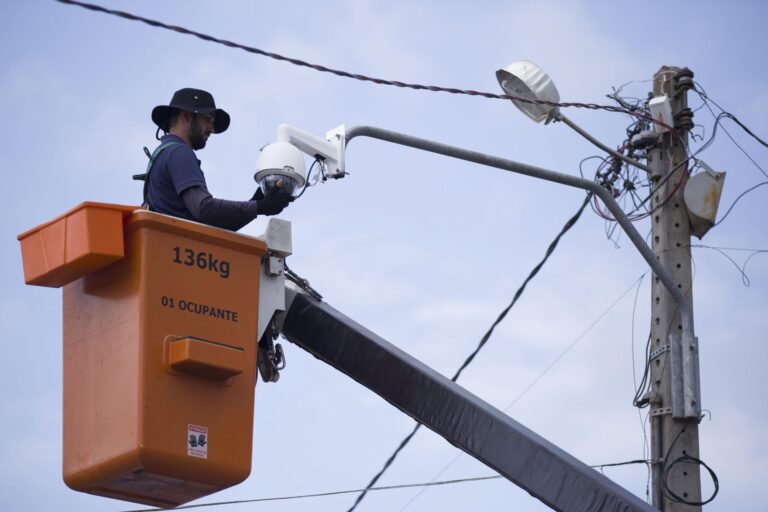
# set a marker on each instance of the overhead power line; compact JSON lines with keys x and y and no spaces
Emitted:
{"x":750,"y":189}
{"x":540,"y":376}
{"x":741,"y":268}
{"x":329,"y":493}
{"x":342,"y":73}
{"x":407,"y":439}
{"x":382,"y":488}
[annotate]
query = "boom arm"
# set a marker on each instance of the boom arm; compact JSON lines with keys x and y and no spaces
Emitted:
{"x":526,"y":459}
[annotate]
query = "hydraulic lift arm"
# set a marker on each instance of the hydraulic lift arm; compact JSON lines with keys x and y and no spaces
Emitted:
{"x":526,"y":459}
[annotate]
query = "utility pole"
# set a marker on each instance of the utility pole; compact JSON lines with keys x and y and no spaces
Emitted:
{"x":673,"y":433}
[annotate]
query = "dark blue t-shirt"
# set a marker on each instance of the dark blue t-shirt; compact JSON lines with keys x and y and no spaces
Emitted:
{"x":175,"y":170}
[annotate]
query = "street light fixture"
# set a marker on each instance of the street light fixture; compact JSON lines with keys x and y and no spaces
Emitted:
{"x":527,"y":81}
{"x":524,"y":79}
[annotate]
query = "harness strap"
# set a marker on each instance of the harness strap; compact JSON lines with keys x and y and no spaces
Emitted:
{"x":145,"y":176}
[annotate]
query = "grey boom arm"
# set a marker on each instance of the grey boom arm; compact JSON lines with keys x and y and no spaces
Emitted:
{"x":545,"y":471}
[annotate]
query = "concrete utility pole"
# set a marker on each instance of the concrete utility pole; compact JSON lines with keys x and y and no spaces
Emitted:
{"x":674,"y":364}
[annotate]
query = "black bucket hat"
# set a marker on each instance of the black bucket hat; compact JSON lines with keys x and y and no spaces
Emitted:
{"x":196,"y":101}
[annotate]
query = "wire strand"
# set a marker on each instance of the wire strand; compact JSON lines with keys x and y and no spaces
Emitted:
{"x":382,"y":488}
{"x":323,"y":494}
{"x":541,"y":375}
{"x":741,"y":268}
{"x":568,"y":225}
{"x":750,"y":189}
{"x":666,"y":469}
{"x":342,"y":73}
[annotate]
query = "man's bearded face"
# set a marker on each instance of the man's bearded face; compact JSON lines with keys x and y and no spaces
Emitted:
{"x":200,"y":129}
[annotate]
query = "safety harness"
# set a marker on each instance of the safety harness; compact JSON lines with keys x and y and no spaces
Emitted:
{"x":145,"y":176}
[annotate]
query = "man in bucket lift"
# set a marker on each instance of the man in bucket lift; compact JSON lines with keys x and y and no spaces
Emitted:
{"x":174,"y":183}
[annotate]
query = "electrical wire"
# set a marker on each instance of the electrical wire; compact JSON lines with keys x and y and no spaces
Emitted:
{"x":737,"y":200}
{"x":627,"y":463}
{"x":346,"y":74}
{"x":635,"y":110}
{"x":706,"y":101}
{"x":382,"y":488}
{"x":329,"y":493}
{"x":625,"y":107}
{"x":741,"y":268}
{"x":636,"y":106}
{"x":540,"y":376}
{"x":308,"y":183}
{"x":644,"y":379}
{"x":639,"y":389}
{"x":703,"y":94}
{"x":630,"y":180}
{"x":552,"y":246}
{"x":684,"y":459}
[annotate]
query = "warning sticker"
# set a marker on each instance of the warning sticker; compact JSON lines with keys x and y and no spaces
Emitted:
{"x":197,"y":441}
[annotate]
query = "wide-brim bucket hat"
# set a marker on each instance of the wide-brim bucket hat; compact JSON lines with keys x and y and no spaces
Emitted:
{"x":196,"y":101}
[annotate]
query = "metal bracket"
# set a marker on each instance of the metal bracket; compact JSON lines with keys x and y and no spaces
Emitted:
{"x":273,"y":265}
{"x":684,"y":363}
{"x":691,"y":383}
{"x":661,"y":411}
{"x":272,"y":281}
{"x":659,"y":351}
{"x":676,"y":376}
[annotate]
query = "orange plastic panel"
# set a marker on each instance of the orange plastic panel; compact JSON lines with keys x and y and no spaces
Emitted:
{"x":85,"y":239}
{"x":135,"y":428}
{"x":205,"y":358}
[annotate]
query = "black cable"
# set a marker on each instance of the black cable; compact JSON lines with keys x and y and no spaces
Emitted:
{"x":345,"y":74}
{"x":382,"y":488}
{"x":704,"y":96}
{"x":684,"y":459}
{"x":639,"y":389}
{"x":706,"y":101}
{"x":540,"y":376}
{"x":614,"y":464}
{"x":568,"y":225}
{"x":307,"y":184}
{"x":644,"y":380}
{"x":744,"y":277}
{"x":322,"y":494}
{"x":718,"y":120}
{"x":741,"y":268}
{"x":737,"y":200}
{"x":300,"y":282}
{"x":552,"y":246}
{"x":736,"y":120}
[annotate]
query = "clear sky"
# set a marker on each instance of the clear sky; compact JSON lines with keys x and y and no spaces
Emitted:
{"x":421,"y":249}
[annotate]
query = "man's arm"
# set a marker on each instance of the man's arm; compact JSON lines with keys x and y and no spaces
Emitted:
{"x":232,"y":215}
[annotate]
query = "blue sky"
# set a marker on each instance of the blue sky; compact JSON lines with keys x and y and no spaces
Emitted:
{"x":421,"y":249}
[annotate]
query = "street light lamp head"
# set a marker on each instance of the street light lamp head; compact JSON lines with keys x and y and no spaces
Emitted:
{"x":280,"y":161}
{"x":524,"y":79}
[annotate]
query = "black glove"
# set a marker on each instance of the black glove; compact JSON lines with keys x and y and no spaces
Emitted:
{"x":273,"y":203}
{"x":258,"y":195}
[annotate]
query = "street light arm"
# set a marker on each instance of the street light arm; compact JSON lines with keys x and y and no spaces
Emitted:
{"x":578,"y":129}
{"x":536,"y":172}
